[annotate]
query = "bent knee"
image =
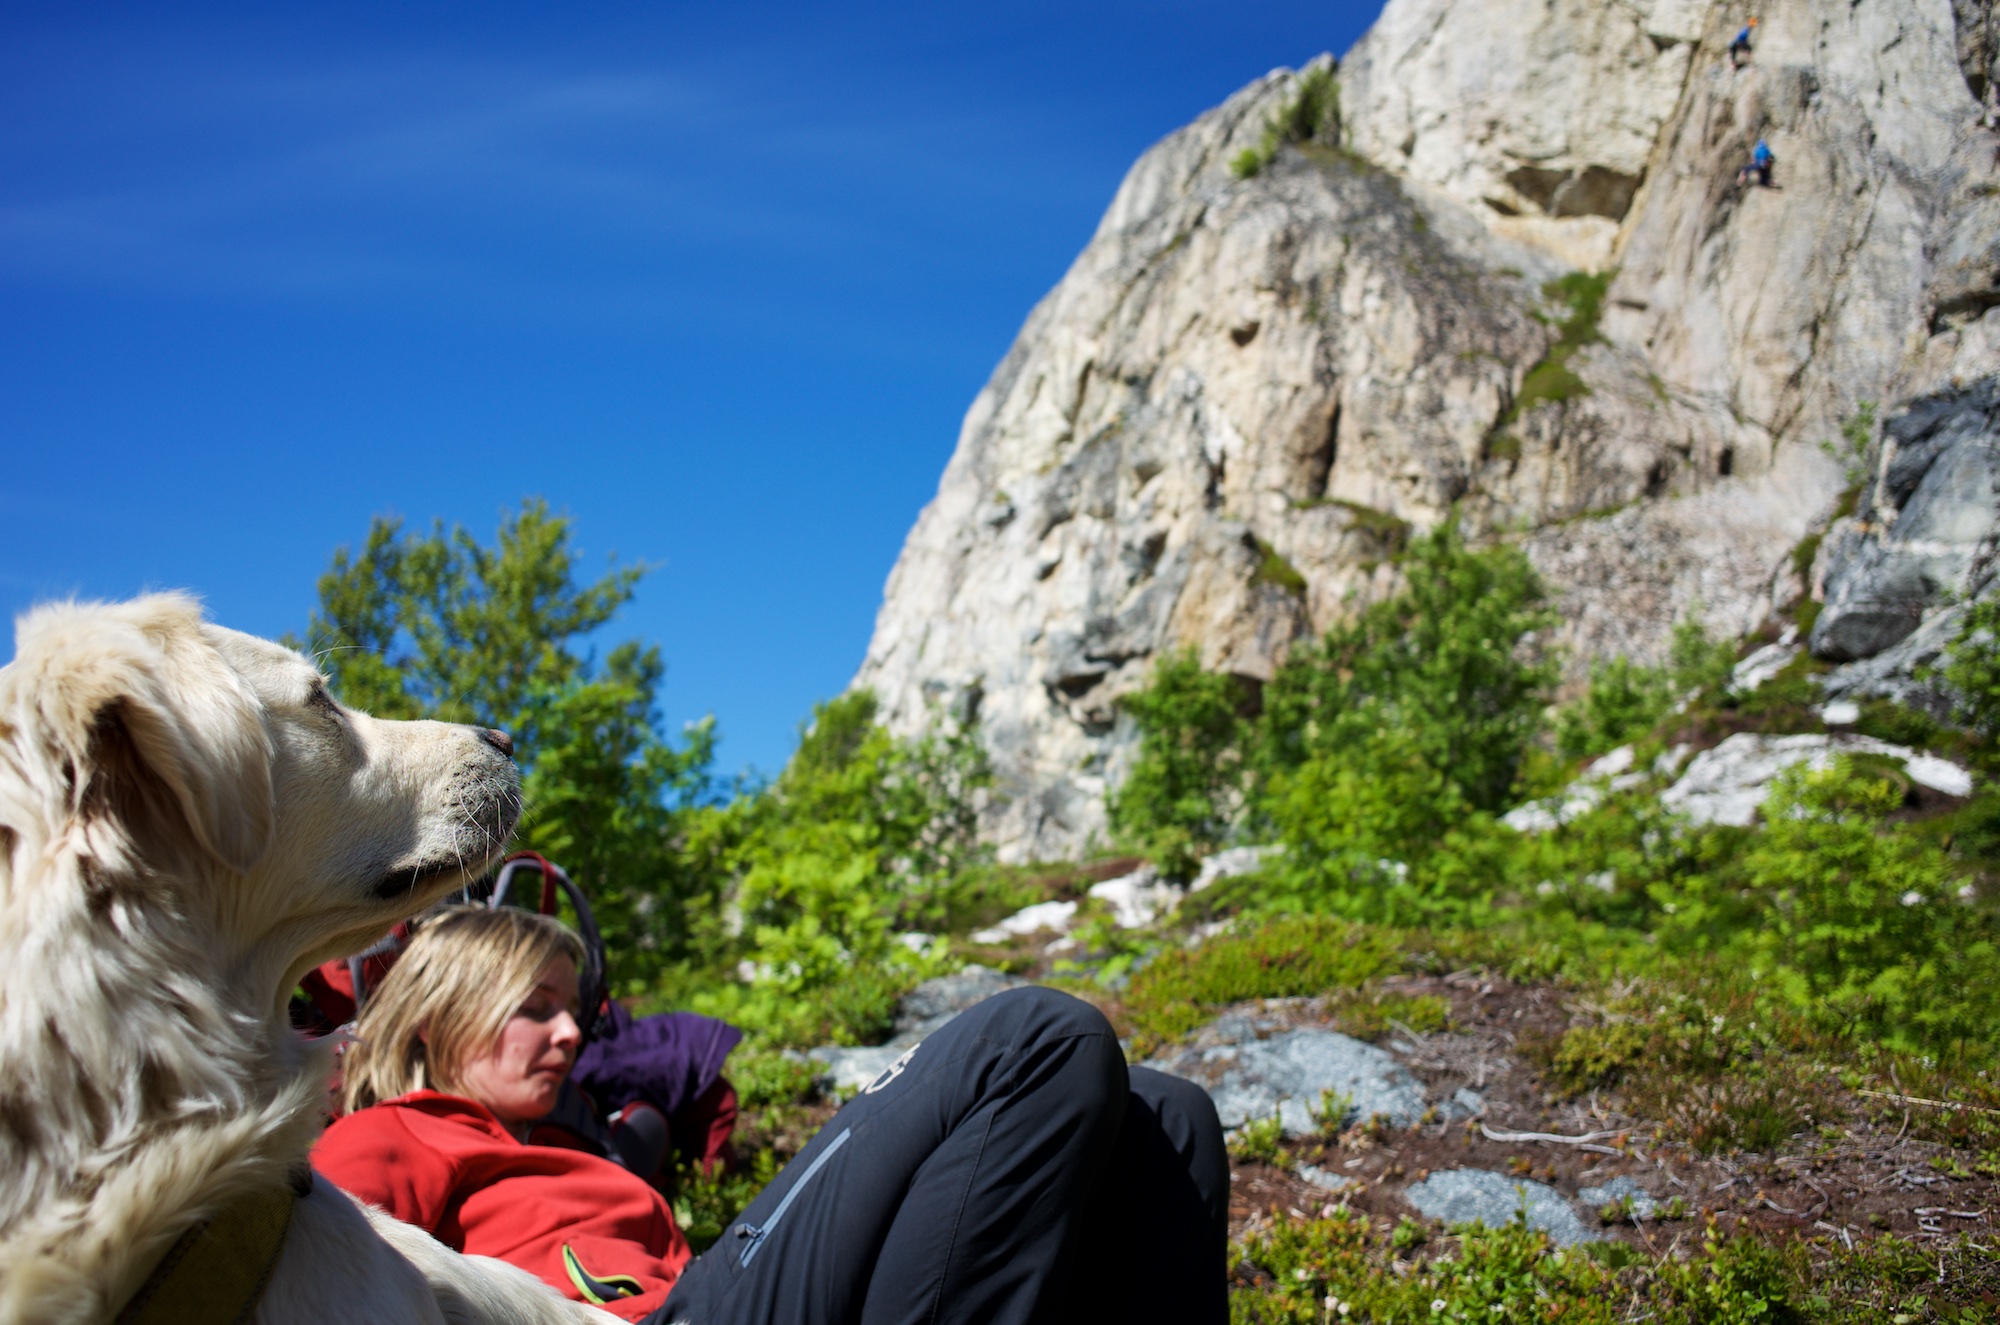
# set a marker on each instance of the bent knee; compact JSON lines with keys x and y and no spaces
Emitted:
{"x":1034,"y":1010}
{"x":1184,"y":1107}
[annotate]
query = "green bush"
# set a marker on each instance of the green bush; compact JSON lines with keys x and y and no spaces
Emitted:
{"x":1855,"y":924}
{"x":1185,"y":789}
{"x":860,"y":837}
{"x":1257,"y":1141}
{"x":1383,"y":746}
{"x":1972,"y":667}
{"x":1444,"y":674}
{"x":1626,"y":700}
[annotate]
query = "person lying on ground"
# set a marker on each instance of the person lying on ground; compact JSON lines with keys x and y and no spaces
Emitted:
{"x":1010,"y":1168}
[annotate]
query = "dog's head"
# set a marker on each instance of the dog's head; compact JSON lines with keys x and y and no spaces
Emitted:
{"x":194,"y":772}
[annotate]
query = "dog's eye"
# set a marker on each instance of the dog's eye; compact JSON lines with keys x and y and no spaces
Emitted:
{"x":320,"y":699}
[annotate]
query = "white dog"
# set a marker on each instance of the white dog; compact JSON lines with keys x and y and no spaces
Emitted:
{"x":189,"y":823}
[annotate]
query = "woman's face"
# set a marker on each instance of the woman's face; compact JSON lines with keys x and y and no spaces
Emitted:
{"x":519,"y":1075}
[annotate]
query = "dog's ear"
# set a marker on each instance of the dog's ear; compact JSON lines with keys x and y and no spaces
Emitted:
{"x":150,"y":723}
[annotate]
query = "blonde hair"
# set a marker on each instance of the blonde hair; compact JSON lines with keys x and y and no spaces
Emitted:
{"x":444,"y":1001}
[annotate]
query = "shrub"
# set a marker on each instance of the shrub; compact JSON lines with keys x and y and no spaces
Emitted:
{"x":1445,"y":673}
{"x":862,"y":835}
{"x":1857,"y":925}
{"x":1625,"y":700}
{"x":1257,"y":1141}
{"x":1186,"y":786}
{"x":1589,"y":1057}
{"x":1972,"y":667}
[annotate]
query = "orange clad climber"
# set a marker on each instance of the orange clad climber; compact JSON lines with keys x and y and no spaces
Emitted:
{"x":1739,"y":50}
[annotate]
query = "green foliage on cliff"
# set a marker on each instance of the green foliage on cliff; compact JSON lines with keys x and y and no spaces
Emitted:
{"x":1310,"y":114}
{"x":1578,"y":299}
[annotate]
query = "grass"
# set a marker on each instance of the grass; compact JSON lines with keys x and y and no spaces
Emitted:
{"x":1579,"y":299}
{"x":1343,"y":1267}
{"x":1180,"y":989}
{"x":1392,"y":530}
{"x":1273,"y":569}
{"x":1310,"y":114}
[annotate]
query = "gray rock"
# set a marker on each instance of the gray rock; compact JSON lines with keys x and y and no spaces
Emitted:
{"x":1930,"y":532}
{"x":1620,"y":1188}
{"x":1327,"y":1180}
{"x":1729,"y":783}
{"x":1464,"y":1196}
{"x":1287,"y":1073}
{"x":935,"y":1002}
{"x":851,"y":1069}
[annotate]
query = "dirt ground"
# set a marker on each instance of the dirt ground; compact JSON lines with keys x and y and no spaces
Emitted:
{"x":1858,"y":1171}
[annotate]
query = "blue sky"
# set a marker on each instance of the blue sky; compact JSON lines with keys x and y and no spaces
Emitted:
{"x":718,"y":281}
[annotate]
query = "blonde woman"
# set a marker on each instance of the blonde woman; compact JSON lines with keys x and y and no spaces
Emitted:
{"x":1009,"y":1169}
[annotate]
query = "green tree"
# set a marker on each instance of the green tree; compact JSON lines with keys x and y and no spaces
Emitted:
{"x":1855,"y":921}
{"x":1451,"y":663}
{"x":861,"y":836}
{"x":1386,"y":744}
{"x":440,"y":625}
{"x":1185,"y":789}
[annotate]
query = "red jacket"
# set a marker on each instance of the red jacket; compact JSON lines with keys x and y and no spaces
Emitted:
{"x":589,"y":1228}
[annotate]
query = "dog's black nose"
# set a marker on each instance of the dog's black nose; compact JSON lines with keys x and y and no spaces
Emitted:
{"x":498,"y":739}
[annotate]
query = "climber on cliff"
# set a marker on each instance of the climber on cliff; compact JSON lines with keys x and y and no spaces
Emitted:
{"x":1759,"y":166}
{"x":1739,"y":50}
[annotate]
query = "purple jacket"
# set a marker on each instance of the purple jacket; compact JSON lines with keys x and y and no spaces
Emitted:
{"x":666,"y":1060}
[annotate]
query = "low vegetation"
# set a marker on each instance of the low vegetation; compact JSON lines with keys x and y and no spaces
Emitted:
{"x":1310,"y":115}
{"x":1577,"y":301}
{"x":1771,"y":1001}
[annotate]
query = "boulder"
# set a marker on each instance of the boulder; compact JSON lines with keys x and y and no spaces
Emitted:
{"x":1465,"y":1196}
{"x":1729,"y":784}
{"x":1929,"y":535}
{"x":1290,"y":1072}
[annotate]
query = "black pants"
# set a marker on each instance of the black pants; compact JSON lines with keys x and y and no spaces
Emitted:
{"x":1009,"y":1170}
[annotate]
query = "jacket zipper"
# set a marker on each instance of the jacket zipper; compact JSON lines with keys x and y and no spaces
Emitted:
{"x":757,"y":1235}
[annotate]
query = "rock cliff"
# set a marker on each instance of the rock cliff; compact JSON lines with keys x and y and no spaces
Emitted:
{"x":1223,"y":422}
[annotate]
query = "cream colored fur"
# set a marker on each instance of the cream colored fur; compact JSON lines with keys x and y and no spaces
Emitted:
{"x":188,"y":824}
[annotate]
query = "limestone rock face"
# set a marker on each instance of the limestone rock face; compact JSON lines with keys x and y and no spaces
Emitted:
{"x":1221,"y":425}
